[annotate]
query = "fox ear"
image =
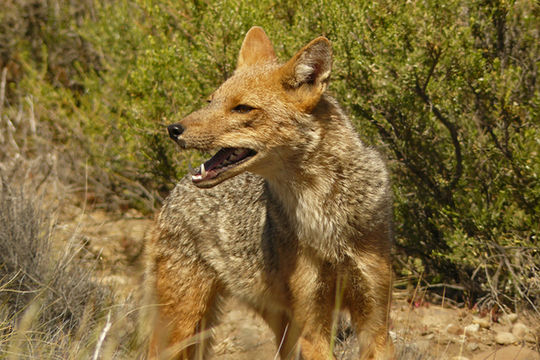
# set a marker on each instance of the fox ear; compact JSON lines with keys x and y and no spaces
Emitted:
{"x":256,"y":48}
{"x":308,"y":72}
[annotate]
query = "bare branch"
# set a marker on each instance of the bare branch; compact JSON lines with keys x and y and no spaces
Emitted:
{"x":420,"y":91}
{"x":423,"y":176}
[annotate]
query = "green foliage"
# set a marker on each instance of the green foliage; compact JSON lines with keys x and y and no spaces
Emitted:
{"x":452,"y":92}
{"x":448,"y":91}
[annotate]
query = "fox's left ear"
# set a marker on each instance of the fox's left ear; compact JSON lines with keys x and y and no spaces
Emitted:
{"x":256,"y":48}
{"x":308,"y":72}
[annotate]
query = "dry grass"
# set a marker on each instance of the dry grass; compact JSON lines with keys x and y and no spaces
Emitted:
{"x":33,"y":272}
{"x":51,"y":305}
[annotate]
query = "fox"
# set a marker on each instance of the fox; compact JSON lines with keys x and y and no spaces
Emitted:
{"x":292,"y":216}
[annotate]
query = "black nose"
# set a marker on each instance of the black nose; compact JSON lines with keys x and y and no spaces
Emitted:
{"x":175,"y":130}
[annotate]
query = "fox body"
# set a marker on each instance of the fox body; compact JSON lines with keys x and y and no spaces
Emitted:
{"x":292,"y":216}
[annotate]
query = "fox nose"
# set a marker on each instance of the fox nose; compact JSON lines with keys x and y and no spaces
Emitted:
{"x":175,"y":130}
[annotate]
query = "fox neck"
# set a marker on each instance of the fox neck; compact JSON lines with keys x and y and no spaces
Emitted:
{"x":309,"y":184}
{"x":328,"y":148}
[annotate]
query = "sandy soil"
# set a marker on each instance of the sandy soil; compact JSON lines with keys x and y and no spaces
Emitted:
{"x":426,"y":331}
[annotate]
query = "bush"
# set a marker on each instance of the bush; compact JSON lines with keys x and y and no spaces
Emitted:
{"x":452,"y":92}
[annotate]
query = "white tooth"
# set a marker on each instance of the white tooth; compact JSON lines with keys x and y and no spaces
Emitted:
{"x":191,"y":170}
{"x":203,"y":171}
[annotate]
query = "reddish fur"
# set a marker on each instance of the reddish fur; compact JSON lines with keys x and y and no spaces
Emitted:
{"x":306,"y":237}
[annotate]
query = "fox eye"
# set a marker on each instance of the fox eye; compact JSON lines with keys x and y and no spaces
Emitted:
{"x":242,"y":109}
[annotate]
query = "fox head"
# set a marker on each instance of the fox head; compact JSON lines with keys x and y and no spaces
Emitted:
{"x":262,"y":115}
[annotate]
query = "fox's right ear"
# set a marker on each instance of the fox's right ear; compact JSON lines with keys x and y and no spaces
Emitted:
{"x":256,"y":48}
{"x":307,"y":74}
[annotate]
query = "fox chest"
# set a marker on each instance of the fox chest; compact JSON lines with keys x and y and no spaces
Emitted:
{"x":318,"y":225}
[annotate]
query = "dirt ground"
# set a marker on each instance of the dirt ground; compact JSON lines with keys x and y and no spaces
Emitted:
{"x":420,"y":331}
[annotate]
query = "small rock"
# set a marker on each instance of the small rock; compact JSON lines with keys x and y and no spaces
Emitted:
{"x":454,"y":329}
{"x":508,"y":318}
{"x":483,"y":322}
{"x":423,"y":346}
{"x":472,"y":346}
{"x":471,"y":329}
{"x":529,"y":337}
{"x":520,"y":330}
{"x":505,"y":338}
{"x":508,"y":352}
{"x":460,"y":358}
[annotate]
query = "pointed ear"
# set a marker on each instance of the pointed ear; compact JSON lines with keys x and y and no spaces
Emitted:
{"x":256,"y":48}
{"x":308,"y":72}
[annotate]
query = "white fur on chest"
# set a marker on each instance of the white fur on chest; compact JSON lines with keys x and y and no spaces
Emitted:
{"x":317,"y":220}
{"x":313,"y":222}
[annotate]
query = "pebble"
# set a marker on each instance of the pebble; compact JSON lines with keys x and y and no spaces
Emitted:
{"x":520,"y":330}
{"x":454,"y":329}
{"x":512,"y":352}
{"x":508,"y":318}
{"x":505,"y":338}
{"x":472,"y":328}
{"x":483,"y":322}
{"x":529,"y":337}
{"x":472,"y":346}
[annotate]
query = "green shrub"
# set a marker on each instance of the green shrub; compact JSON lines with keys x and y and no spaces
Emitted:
{"x":451,"y":90}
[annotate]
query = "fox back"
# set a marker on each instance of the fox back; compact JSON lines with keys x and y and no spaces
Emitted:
{"x":292,"y":215}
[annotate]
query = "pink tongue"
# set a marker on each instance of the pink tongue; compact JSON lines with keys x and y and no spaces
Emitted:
{"x":217,"y":159}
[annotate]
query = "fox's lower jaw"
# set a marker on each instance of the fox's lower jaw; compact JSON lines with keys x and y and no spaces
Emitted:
{"x":224,"y":163}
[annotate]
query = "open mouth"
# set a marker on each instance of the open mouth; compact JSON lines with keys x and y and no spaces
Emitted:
{"x":224,"y":160}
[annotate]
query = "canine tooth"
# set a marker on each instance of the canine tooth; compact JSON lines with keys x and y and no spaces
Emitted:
{"x":203,"y":171}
